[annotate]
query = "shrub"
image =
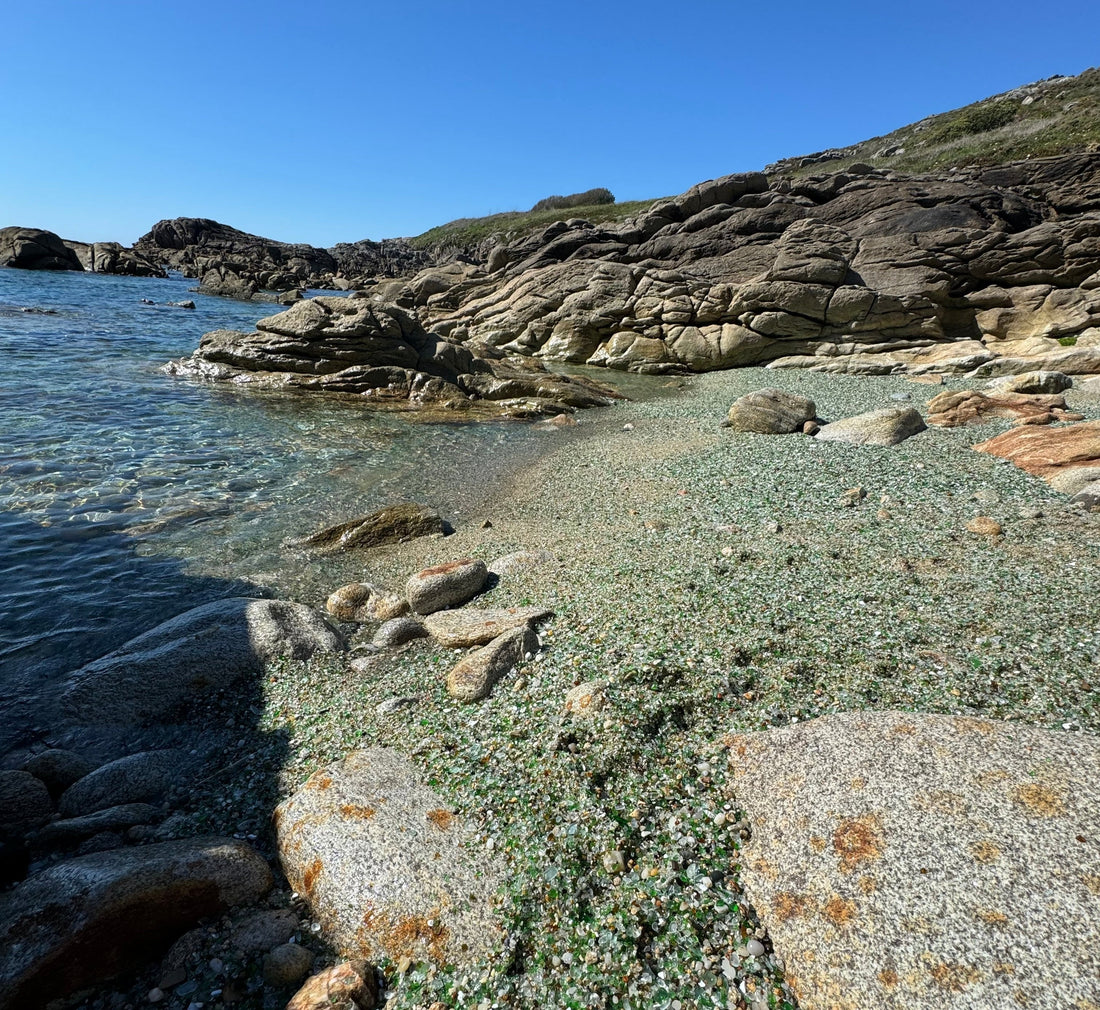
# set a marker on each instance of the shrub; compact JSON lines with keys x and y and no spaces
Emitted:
{"x":589,"y":198}
{"x":979,"y":119}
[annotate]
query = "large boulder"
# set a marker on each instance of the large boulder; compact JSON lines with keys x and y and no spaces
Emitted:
{"x":888,"y":426}
{"x":35,"y":249}
{"x":84,"y":921}
{"x":137,"y":778}
{"x":384,"y":864}
{"x":924,"y":861}
{"x":1046,"y":452}
{"x":771,"y":412}
{"x":953,"y":409}
{"x":201,"y":650}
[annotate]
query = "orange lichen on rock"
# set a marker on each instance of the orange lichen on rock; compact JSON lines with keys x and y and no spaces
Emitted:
{"x":356,"y":810}
{"x":985,"y":852}
{"x":1039,"y":800}
{"x":442,"y":819}
{"x":991,"y":917}
{"x":790,"y":906}
{"x":888,"y":977}
{"x":839,"y":911}
{"x":309,"y":878}
{"x":411,"y":936}
{"x":857,"y":840}
{"x":319,"y":780}
{"x":955,"y":977}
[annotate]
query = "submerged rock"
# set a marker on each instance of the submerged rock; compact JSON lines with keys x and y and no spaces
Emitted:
{"x":202,"y":650}
{"x":385,"y":866}
{"x":84,"y":921}
{"x":390,"y":525}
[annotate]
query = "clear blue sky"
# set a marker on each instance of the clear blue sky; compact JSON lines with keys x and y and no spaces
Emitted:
{"x":338,"y":120}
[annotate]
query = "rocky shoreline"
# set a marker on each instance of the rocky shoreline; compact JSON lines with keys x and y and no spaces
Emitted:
{"x":702,"y":582}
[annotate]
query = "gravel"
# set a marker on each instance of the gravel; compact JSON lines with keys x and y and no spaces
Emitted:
{"x":710,"y":581}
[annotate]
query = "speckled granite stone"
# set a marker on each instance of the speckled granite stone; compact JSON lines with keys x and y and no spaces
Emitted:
{"x":920,"y":861}
{"x":386,"y":868}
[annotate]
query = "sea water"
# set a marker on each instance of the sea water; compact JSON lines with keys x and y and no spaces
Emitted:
{"x":128,"y":495}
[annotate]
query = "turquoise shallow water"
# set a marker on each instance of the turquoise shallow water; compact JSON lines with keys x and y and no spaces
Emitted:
{"x":128,"y":495}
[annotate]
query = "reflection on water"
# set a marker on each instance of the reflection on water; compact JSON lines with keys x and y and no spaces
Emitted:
{"x":116,"y":478}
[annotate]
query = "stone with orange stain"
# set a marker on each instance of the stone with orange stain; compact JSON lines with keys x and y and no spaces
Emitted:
{"x":386,"y":867}
{"x":929,"y":871}
{"x":858,"y":840}
{"x":447,"y":585}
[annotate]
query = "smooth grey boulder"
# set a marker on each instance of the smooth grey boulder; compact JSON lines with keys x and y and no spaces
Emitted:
{"x":1033,"y":382}
{"x":475,"y":675}
{"x":888,"y":426}
{"x":86,"y":920}
{"x":446,"y":585}
{"x":771,"y":412}
{"x":201,"y":650}
{"x":386,"y":866}
{"x":398,"y":631}
{"x":924,"y":861}
{"x":137,"y":778}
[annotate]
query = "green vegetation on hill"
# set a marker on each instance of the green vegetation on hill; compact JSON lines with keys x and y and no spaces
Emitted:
{"x":589,"y":198}
{"x":1055,"y":116}
{"x":471,"y":231}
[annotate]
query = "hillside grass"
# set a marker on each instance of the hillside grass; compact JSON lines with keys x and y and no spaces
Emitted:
{"x":471,"y":231}
{"x":1062,"y":116}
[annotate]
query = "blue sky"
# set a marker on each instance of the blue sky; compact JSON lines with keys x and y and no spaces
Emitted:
{"x":338,"y":120}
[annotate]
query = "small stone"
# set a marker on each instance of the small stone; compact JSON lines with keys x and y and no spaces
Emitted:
{"x":155,"y":995}
{"x":521,"y":561}
{"x":287,"y":965}
{"x":852,"y":497}
{"x":385,"y":606}
{"x":348,"y":603}
{"x":884,"y":515}
{"x":446,"y":585}
{"x":397,"y":632}
{"x":985,"y":526}
{"x":393,"y":705}
{"x":1031,"y":512}
{"x":476,"y":674}
{"x":262,"y":931}
{"x":585,"y":700}
{"x":348,"y":986}
{"x":754,"y":948}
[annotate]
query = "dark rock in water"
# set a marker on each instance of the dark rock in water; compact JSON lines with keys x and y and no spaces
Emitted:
{"x":24,"y":803}
{"x":137,"y":778}
{"x":35,"y":249}
{"x":385,"y":864}
{"x":59,"y":769}
{"x":771,"y":412}
{"x":446,"y":585}
{"x":390,"y":525}
{"x":84,"y":921}
{"x":201,"y":650}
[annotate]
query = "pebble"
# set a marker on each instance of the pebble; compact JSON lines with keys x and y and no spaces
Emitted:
{"x":985,"y":526}
{"x":1031,"y":513}
{"x":754,"y":948}
{"x":155,"y":995}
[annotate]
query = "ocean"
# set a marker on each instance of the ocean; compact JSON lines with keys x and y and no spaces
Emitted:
{"x":128,"y":495}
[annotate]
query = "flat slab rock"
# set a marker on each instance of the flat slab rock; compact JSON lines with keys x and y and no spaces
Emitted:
{"x":1046,"y":452}
{"x":459,"y":629}
{"x":925,"y":861}
{"x":885,"y":427}
{"x":81,"y":922}
{"x":382,"y":863}
{"x":390,"y":525}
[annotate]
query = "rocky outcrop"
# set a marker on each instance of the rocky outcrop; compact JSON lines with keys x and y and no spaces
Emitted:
{"x":357,"y":346}
{"x":1048,"y":452}
{"x":204,"y":649}
{"x":86,"y":920}
{"x":35,"y":249}
{"x":906,"y":860}
{"x":113,"y":258}
{"x":237,"y":264}
{"x":993,"y":271}
{"x":386,"y":866}
{"x":953,"y":409}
